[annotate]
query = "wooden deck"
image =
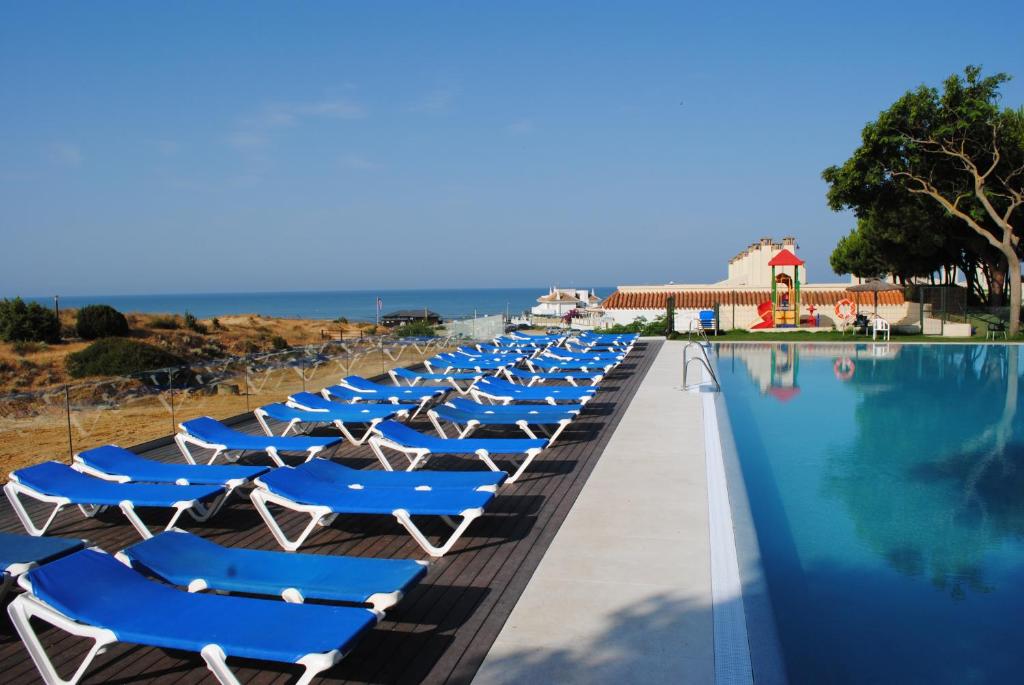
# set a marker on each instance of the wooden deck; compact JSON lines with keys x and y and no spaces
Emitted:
{"x":442,"y":630}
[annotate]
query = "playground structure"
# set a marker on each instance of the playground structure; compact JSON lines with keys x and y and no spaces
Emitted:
{"x":783,"y":309}
{"x":767,"y":288}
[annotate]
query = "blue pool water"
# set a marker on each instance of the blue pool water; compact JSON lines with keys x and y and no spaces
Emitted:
{"x":886,"y":487}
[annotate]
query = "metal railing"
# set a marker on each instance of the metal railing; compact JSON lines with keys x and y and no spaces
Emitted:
{"x":128,"y":410}
{"x":694,"y":329}
{"x":703,"y":359}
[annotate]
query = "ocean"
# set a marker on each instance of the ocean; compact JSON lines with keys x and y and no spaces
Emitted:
{"x":355,"y":305}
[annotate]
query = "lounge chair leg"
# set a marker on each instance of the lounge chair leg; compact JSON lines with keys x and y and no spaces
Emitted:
{"x":418,"y":460}
{"x":381,"y":457}
{"x":525,"y":427}
{"x":558,"y":431}
{"x":217,"y":662}
{"x":275,"y":457}
{"x":128,"y":509}
{"x":486,"y":458}
{"x":181,"y":442}
{"x":405,"y":520}
{"x":315,"y":664}
{"x":25,"y":607}
{"x":261,"y":501}
{"x":436,"y":422}
{"x":348,"y":435}
{"x":13,"y":490}
{"x":530,"y":454}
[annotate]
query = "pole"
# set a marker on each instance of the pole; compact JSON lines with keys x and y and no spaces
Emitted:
{"x":67,"y":413}
{"x":56,"y":306}
{"x":170,"y":383}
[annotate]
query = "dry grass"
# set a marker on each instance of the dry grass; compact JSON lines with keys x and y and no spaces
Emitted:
{"x":119,"y":412}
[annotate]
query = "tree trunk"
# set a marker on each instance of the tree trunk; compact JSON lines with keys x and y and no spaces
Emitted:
{"x":1013,"y":285}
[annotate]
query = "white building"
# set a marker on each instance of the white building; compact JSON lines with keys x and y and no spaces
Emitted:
{"x":560,"y":301}
{"x":743,"y":299}
{"x":751,"y":268}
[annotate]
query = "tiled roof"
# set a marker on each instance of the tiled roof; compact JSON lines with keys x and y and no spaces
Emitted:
{"x":706,"y":299}
{"x":558,"y":296}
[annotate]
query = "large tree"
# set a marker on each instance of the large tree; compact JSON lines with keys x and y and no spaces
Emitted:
{"x":958,"y":150}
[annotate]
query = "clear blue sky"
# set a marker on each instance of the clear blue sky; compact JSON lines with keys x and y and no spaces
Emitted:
{"x":181,"y":147}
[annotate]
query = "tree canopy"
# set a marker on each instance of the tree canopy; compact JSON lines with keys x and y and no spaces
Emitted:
{"x":938,"y":183}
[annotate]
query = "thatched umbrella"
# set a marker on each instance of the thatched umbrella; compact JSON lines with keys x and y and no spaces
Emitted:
{"x":874,"y":286}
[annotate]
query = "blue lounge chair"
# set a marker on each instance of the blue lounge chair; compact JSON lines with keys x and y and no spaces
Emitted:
{"x":594,"y":346}
{"x":60,"y":485}
{"x":197,"y":564}
{"x":468,"y":416}
{"x":91,"y":595}
{"x":453,"y":363}
{"x":124,"y":466}
{"x":343,"y":476}
{"x":301,"y":490}
{"x":552,"y":365}
{"x":337,"y":415}
{"x":413,"y":378}
{"x":19,"y":554}
{"x":213,"y":435}
{"x":513,"y":348}
{"x":357,"y":389}
{"x":418,"y":447}
{"x":529,"y":378}
{"x":566,"y":355}
{"x":538,"y":339}
{"x":500,"y":391}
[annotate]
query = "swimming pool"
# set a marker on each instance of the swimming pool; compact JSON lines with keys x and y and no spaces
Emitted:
{"x":886,"y":488}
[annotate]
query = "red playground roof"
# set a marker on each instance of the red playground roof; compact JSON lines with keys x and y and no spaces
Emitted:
{"x":786,"y":258}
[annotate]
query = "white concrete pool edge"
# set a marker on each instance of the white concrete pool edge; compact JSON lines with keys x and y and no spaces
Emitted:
{"x":623,"y":594}
{"x":732,"y":648}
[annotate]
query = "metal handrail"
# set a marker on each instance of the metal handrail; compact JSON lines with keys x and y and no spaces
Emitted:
{"x":694,"y":326}
{"x":705,"y":361}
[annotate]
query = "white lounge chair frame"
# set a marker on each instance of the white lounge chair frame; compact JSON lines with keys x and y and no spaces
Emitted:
{"x":464,"y":431}
{"x":495,"y":397}
{"x":413,"y":382}
{"x":15,"y":490}
{"x":27,"y":606}
{"x":294,"y":424}
{"x":184,"y":439}
{"x":323,"y":516}
{"x":426,"y":401}
{"x":537,"y":380}
{"x":418,"y":456}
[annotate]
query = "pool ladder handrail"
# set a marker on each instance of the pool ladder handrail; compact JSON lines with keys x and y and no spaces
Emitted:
{"x":705,"y":361}
{"x":694,"y":327}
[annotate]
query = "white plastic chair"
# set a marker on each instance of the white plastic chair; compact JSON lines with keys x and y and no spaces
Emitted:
{"x":882,"y":325}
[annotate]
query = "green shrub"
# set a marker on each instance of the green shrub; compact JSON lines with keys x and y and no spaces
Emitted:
{"x":194,"y":324}
{"x":119,"y":357}
{"x":23,"y":347}
{"x":20,"y":320}
{"x":414,"y":328}
{"x":278,"y":343}
{"x":215,"y":322}
{"x":640,"y":325}
{"x":100,"y":321}
{"x":167,"y":323}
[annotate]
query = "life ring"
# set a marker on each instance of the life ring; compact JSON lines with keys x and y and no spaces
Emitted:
{"x":844,"y":368}
{"x":846,"y":309}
